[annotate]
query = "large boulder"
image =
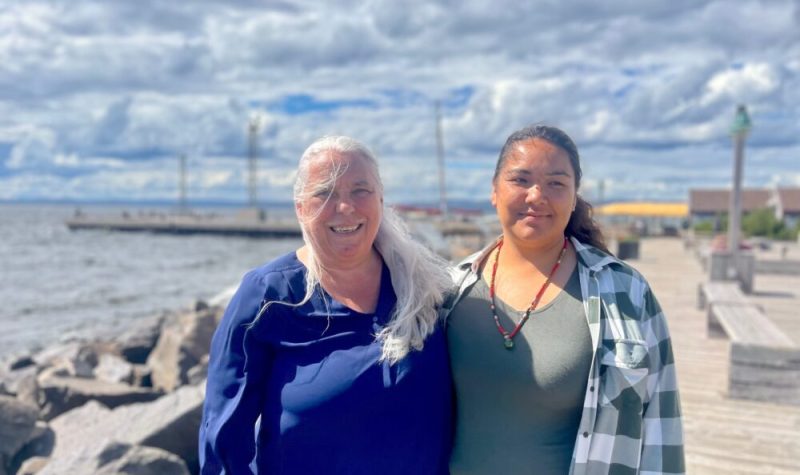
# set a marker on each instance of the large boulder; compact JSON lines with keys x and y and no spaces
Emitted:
{"x":170,"y":423}
{"x":198,"y":373}
{"x":73,"y":358}
{"x":11,"y":379}
{"x":17,"y":423}
{"x":142,"y":461}
{"x":33,"y":466}
{"x":113,"y":457}
{"x":181,"y":346}
{"x":136,"y":343}
{"x":59,"y":394}
{"x":114,"y":369}
{"x":20,"y":361}
{"x":40,"y":445}
{"x":142,"y":376}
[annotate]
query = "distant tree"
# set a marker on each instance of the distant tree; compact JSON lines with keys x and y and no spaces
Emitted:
{"x":763,"y":223}
{"x":704,"y":227}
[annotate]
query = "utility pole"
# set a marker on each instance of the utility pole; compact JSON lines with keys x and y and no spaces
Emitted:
{"x":182,"y":183}
{"x":739,"y":129}
{"x":440,"y":160}
{"x":252,"y":159}
{"x":601,"y":191}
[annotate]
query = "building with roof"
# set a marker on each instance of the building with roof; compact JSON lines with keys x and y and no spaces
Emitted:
{"x":643,"y":217}
{"x":711,"y":204}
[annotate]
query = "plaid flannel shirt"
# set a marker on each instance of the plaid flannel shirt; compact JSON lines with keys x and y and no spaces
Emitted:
{"x":631,"y":421}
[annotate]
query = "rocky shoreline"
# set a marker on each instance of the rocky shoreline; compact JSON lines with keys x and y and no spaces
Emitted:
{"x":128,"y":405}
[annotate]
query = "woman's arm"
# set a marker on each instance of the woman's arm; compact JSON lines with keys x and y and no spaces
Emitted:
{"x":237,"y":366}
{"x":662,"y":439}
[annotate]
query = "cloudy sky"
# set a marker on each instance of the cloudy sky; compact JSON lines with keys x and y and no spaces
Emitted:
{"x":99,"y":98}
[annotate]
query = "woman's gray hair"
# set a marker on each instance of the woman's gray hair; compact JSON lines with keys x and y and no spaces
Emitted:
{"x":419,"y":277}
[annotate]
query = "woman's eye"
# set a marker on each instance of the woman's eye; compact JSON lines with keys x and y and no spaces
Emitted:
{"x":557,"y":184}
{"x":361,"y":192}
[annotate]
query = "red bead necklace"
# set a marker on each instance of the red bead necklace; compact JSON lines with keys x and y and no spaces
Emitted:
{"x":508,"y":338}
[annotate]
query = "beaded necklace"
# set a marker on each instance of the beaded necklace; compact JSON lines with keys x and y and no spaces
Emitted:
{"x":508,"y":338}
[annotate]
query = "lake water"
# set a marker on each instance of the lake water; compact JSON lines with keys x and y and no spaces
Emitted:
{"x":57,"y":284}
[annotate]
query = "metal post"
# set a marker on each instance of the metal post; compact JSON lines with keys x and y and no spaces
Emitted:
{"x":739,"y":129}
{"x":601,"y":191}
{"x":440,"y":159}
{"x":252,"y":162}
{"x":182,"y":183}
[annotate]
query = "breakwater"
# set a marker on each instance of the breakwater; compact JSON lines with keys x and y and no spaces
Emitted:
{"x":98,"y":405}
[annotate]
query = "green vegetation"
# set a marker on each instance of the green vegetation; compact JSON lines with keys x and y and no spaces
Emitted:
{"x":763,"y":223}
{"x":758,"y":223}
{"x":711,"y":227}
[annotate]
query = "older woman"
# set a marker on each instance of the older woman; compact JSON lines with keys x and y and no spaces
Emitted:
{"x":330,"y":359}
{"x":560,"y":353}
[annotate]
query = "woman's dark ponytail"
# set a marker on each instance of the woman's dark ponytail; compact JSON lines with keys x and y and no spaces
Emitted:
{"x":584,"y":228}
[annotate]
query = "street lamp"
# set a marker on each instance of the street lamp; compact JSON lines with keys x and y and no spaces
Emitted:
{"x":739,"y":129}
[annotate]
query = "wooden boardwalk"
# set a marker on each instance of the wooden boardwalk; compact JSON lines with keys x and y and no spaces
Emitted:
{"x":722,"y":435}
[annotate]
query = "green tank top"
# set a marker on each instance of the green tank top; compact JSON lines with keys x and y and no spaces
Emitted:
{"x":518,"y":410}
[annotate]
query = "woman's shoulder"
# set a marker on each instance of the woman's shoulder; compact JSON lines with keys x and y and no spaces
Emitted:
{"x":277,"y":276}
{"x":280,"y":267}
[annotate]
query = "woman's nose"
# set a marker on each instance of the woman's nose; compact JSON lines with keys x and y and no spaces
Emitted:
{"x":534,"y":194}
{"x":344,"y":206}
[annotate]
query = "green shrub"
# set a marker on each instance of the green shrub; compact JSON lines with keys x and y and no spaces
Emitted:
{"x":763,"y":223}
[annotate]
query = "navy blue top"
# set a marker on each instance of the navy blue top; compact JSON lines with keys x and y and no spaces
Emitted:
{"x":311,"y":374}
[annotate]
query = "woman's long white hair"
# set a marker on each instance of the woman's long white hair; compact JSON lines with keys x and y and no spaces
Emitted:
{"x":419,"y":277}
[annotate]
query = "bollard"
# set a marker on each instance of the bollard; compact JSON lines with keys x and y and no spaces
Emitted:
{"x":722,"y":269}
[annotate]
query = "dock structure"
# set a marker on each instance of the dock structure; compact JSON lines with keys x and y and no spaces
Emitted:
{"x":250,"y":225}
{"x":722,"y":435}
{"x":253,"y":222}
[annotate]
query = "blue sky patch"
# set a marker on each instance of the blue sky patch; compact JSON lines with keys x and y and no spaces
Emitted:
{"x":299,"y":104}
{"x":458,"y":98}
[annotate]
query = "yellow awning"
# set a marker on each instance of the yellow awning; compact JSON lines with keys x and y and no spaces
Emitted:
{"x":645,"y":209}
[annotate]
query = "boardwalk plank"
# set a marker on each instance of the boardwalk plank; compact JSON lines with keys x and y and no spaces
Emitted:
{"x":723,"y":435}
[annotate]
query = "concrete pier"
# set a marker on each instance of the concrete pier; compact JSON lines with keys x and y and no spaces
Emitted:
{"x":188,"y":224}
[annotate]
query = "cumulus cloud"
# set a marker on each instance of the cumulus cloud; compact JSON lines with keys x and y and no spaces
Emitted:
{"x":33,"y":150}
{"x":102,"y":97}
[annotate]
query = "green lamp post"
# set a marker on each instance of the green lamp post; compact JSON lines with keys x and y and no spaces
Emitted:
{"x":739,"y":130}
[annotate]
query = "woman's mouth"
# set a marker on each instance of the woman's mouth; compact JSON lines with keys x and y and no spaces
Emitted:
{"x":345,"y":229}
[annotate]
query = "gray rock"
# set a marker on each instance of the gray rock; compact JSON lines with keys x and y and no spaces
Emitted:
{"x":114,"y":457}
{"x":114,"y":369}
{"x":22,"y":361}
{"x":142,"y":376}
{"x":182,"y":345}
{"x":200,"y":305}
{"x":27,"y":389}
{"x":33,"y":466}
{"x":136,"y":343}
{"x":140,"y":460}
{"x":40,"y":445}
{"x":170,"y":423}
{"x":197,"y":374}
{"x":10,"y":380}
{"x":17,"y":423}
{"x":75,"y":358}
{"x":57,"y":395}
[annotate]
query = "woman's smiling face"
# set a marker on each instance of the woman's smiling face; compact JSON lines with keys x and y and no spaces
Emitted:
{"x":341,"y":216}
{"x":534,"y":193}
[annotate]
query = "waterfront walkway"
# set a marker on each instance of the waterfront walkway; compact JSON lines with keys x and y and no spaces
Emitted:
{"x":722,"y":435}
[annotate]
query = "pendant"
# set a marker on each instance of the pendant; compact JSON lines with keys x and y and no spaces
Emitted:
{"x":508,"y":342}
